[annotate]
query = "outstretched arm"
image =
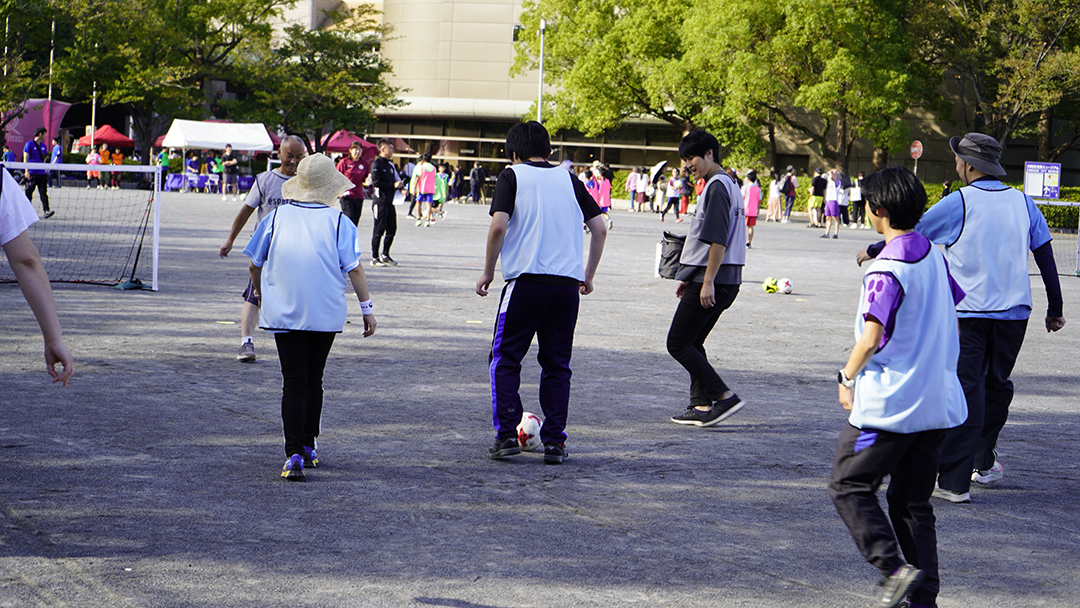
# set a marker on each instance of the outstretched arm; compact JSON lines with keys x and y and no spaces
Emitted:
{"x":597,"y":238}
{"x":496,"y":234}
{"x":237,"y":225}
{"x":34,"y":283}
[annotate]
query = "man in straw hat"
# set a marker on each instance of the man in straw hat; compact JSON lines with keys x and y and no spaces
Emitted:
{"x":987,"y":229}
{"x":300,"y":256}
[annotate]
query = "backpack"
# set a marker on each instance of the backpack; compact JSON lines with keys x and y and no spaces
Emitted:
{"x":671,"y":247}
{"x":786,"y":187}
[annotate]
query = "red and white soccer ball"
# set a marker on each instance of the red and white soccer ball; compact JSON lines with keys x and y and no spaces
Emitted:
{"x":528,"y":432}
{"x":784,"y":286}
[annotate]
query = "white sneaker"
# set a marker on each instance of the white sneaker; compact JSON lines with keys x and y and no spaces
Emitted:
{"x":224,"y":198}
{"x":994,"y":473}
{"x":951,"y":496}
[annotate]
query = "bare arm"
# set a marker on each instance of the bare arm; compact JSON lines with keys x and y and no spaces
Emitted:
{"x":708,"y":288}
{"x":597,"y":238}
{"x":496,"y":235}
{"x":237,"y":225}
{"x":34,"y":283}
{"x":256,"y":278}
{"x":359,"y":285}
{"x":861,"y":353}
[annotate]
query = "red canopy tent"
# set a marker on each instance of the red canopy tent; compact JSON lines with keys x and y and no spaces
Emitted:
{"x":342,"y":140}
{"x":108,"y":135}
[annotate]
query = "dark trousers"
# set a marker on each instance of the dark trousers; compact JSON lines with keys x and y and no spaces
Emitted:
{"x":863,"y":459}
{"x":54,"y":179}
{"x":303,"y":357}
{"x":858,"y":209}
{"x":686,"y":340}
{"x":41,"y":182}
{"x":988,"y":351}
{"x":385,"y":228}
{"x":352,"y":208}
{"x":548,"y":312}
{"x":474,"y":192}
{"x":844,"y":215}
{"x":672,"y":203}
{"x":789,"y":202}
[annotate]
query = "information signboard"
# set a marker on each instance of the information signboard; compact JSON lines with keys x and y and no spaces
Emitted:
{"x":1042,"y":180}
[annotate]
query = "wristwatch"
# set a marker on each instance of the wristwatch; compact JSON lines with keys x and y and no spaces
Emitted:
{"x":843,"y":380}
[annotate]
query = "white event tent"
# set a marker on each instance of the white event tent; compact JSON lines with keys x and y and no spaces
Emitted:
{"x":244,"y":137}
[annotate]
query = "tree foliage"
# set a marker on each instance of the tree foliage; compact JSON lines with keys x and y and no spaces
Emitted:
{"x":310,"y":80}
{"x":1017,"y":57}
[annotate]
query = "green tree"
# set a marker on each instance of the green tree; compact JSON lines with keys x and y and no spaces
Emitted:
{"x":154,"y":56}
{"x":612,"y":60}
{"x":1019,"y":59}
{"x":24,"y":65}
{"x":315,"y":82}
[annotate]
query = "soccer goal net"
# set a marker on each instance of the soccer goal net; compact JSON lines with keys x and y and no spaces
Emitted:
{"x":103,"y":224}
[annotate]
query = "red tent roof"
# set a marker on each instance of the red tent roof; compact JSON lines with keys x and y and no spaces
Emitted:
{"x":108,"y":135}
{"x":342,"y":140}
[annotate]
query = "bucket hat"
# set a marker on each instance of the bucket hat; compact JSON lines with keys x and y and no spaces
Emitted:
{"x":316,"y":181}
{"x":980,"y":151}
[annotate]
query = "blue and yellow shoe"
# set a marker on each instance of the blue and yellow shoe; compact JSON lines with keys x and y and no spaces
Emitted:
{"x":311,"y":457}
{"x":294,"y":468}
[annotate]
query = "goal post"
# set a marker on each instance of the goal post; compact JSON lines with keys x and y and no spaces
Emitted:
{"x":96,"y":234}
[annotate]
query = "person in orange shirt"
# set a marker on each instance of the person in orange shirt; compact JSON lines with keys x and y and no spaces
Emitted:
{"x":114,"y":176}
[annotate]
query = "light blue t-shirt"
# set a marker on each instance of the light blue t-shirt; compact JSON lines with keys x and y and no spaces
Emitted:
{"x":944,"y":224}
{"x":306,"y":251}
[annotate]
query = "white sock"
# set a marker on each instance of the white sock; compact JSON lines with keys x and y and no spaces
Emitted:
{"x":246,"y":340}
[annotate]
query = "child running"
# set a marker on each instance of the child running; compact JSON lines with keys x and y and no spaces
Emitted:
{"x":300,"y":256}
{"x":901,"y":388}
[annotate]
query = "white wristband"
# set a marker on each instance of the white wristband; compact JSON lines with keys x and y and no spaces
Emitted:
{"x":366,"y":307}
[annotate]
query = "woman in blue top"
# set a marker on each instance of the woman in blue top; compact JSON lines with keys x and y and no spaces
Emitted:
{"x":301,"y":254}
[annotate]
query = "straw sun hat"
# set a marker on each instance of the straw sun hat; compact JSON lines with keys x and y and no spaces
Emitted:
{"x":316,"y":181}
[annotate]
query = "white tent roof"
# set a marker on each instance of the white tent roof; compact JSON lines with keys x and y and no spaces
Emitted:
{"x":215,"y":135}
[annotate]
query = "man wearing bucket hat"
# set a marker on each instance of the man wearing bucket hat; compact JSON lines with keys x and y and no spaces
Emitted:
{"x":301,"y":254}
{"x":987,"y":229}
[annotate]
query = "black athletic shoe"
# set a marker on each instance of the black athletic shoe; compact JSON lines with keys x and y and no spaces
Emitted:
{"x":555,"y":453}
{"x":49,"y":214}
{"x":896,"y":587}
{"x":504,"y":448}
{"x":720,"y":410}
{"x":377,"y":263}
{"x":389,"y":261}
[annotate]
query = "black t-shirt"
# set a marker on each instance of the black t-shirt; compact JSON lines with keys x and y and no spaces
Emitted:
{"x":819,"y":184}
{"x":230,"y":169}
{"x":506,"y":196}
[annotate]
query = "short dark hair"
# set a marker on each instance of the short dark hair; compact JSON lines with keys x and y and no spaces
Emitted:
{"x":697,"y":143}
{"x":40,"y":131}
{"x":385,"y":142}
{"x":897,"y":191}
{"x":426,"y":157}
{"x":526,"y":140}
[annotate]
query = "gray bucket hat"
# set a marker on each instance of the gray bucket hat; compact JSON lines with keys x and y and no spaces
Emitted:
{"x":980,"y":151}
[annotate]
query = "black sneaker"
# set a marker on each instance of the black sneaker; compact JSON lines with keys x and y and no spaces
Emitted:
{"x":389,"y":261}
{"x":720,"y":410}
{"x":49,"y":214}
{"x":555,"y":453}
{"x":896,"y":587}
{"x":504,"y":448}
{"x":692,"y":416}
{"x":377,"y":263}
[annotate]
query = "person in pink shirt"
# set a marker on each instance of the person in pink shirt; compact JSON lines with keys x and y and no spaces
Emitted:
{"x":352,"y":202}
{"x":751,"y":191}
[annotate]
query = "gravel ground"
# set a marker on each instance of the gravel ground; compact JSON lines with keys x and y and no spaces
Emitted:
{"x":152,"y":478}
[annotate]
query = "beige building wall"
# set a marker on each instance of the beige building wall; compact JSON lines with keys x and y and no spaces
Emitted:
{"x":459,"y":49}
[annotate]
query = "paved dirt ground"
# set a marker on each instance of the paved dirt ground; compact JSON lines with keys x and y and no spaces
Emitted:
{"x":152,"y":478}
